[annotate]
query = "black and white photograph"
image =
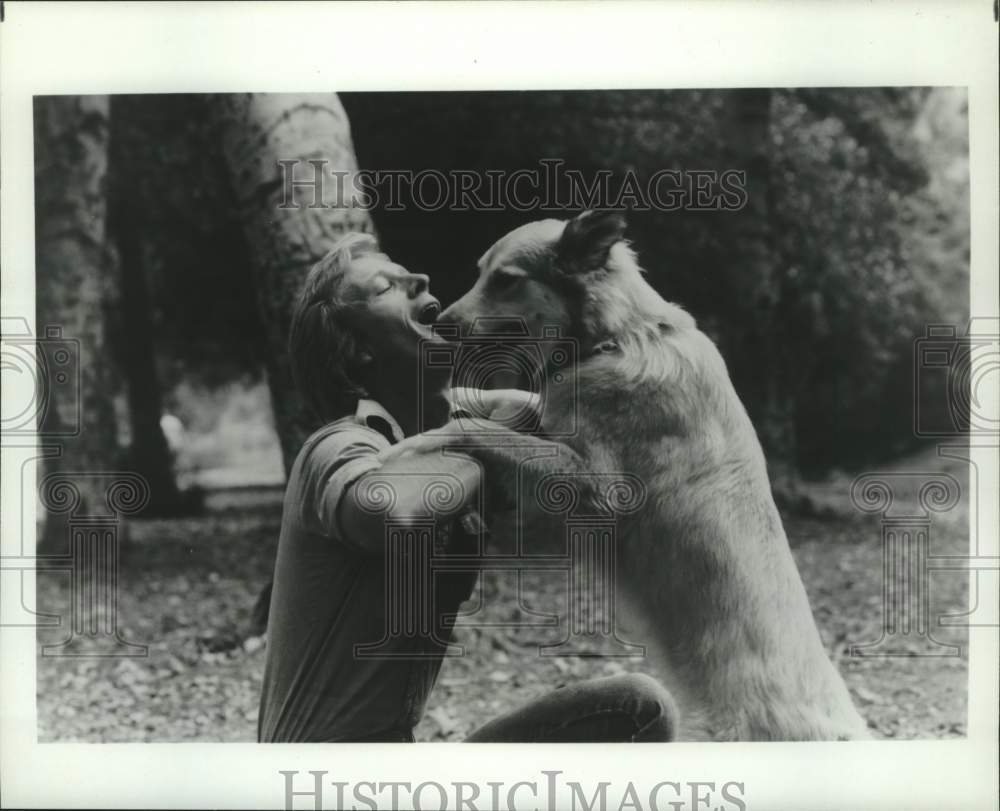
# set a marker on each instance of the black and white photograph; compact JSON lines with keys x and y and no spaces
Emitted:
{"x":659,"y":414}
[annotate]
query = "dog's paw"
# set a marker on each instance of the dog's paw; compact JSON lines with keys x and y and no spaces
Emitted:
{"x":402,"y":448}
{"x":427,"y":442}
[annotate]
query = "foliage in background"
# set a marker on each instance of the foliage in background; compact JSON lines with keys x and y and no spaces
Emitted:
{"x":862,"y":239}
{"x":855,"y":238}
{"x":202,"y":310}
{"x":186,"y":591}
{"x":873,"y":253}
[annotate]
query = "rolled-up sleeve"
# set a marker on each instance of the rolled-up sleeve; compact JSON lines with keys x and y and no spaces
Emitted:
{"x":335,"y":463}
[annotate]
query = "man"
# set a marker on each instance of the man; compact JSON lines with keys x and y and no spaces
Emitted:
{"x":355,"y":344}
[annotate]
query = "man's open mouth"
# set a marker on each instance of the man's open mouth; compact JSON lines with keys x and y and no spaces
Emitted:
{"x":429,"y":314}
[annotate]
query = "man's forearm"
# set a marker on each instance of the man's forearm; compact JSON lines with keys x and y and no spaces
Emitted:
{"x":413,"y":487}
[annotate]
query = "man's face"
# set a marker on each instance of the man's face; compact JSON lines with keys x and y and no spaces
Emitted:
{"x":396,"y":309}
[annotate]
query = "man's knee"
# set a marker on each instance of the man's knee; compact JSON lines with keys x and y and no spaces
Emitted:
{"x":656,"y":713}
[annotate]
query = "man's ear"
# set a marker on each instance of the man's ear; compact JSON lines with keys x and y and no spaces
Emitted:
{"x":587,"y":239}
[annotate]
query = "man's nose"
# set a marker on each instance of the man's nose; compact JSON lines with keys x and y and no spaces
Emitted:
{"x":419,"y":284}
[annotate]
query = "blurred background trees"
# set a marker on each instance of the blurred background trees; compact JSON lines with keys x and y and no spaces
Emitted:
{"x":72,"y":267}
{"x":855,"y":236}
{"x":286,"y":236}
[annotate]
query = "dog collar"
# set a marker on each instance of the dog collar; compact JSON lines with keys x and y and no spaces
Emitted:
{"x":605,"y":347}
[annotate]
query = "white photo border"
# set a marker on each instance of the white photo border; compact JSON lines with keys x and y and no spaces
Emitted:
{"x":83,"y":48}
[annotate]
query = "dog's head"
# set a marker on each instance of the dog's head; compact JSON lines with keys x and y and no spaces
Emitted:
{"x":541,"y":273}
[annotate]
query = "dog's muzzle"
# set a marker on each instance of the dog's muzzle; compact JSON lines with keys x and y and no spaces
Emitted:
{"x":429,"y":314}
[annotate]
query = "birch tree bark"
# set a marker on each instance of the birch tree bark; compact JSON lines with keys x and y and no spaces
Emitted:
{"x":292,"y":214}
{"x":272,"y":142}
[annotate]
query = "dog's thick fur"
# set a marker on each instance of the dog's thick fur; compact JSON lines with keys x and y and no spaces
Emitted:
{"x":705,"y":563}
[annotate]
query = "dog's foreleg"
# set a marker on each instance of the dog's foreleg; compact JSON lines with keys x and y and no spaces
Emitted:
{"x":539,"y":479}
{"x":542,"y":480}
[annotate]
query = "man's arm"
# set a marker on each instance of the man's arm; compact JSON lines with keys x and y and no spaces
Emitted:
{"x":521,"y":471}
{"x":411,"y":487}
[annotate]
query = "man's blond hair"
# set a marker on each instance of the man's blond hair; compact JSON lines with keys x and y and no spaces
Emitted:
{"x":327,"y":354}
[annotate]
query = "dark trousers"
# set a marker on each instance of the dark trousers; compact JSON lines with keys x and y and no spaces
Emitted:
{"x":629,"y":708}
{"x":632,"y":708}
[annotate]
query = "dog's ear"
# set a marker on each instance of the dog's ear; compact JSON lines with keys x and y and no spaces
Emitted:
{"x":587,"y":239}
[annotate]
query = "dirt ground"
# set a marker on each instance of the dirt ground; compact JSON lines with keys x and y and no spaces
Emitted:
{"x":187,"y":583}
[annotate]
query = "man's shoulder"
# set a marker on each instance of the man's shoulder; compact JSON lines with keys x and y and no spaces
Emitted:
{"x":343,"y":429}
{"x":347,"y":423}
{"x":340,"y":436}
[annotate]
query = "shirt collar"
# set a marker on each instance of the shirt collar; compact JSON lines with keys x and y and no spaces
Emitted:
{"x":373,"y":415}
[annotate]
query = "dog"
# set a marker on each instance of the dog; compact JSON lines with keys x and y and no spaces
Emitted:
{"x":704,"y":564}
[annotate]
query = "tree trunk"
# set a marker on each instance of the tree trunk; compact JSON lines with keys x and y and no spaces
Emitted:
{"x":753,"y":347}
{"x":71,"y":268}
{"x":257,"y":131}
{"x":149,"y":454}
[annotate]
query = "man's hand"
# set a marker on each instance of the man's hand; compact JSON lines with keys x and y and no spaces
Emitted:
{"x":514,"y":408}
{"x":520,"y":410}
{"x":462,"y":431}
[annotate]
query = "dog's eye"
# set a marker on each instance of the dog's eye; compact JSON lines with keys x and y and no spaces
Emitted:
{"x":502,"y":280}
